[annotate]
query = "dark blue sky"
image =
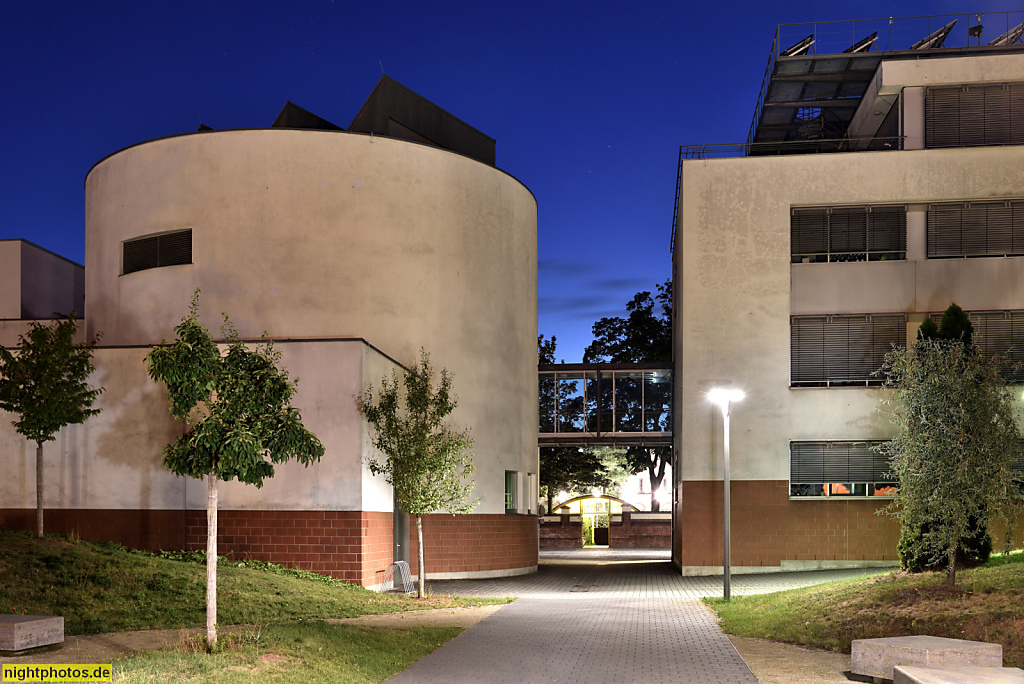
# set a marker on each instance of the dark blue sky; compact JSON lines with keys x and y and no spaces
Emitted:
{"x":589,"y":103}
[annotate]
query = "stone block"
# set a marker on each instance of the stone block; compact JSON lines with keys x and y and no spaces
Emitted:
{"x":878,"y":657}
{"x":20,"y":632}
{"x":915,"y":674}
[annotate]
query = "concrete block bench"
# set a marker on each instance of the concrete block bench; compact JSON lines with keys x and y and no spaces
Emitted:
{"x":877,"y":657}
{"x":915,"y":674}
{"x":21,"y":632}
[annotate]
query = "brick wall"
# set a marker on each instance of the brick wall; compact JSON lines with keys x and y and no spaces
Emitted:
{"x":636,"y":532}
{"x":351,"y":545}
{"x":768,"y":527}
{"x":475,"y":542}
{"x":561,"y":534}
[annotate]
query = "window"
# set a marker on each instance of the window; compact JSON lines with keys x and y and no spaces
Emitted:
{"x":511,"y":491}
{"x":168,"y":249}
{"x":826,"y":234}
{"x":974,"y":115}
{"x":830,"y":351}
{"x":964,"y":229}
{"x":1001,"y":332}
{"x":839,"y":469}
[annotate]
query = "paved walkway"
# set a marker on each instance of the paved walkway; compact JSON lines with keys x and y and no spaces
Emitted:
{"x":599,"y":616}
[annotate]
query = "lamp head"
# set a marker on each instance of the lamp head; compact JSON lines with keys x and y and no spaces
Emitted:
{"x":723,"y":396}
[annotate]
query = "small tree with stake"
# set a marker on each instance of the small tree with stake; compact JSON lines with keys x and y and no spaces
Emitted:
{"x":45,"y":384}
{"x":240,"y":422}
{"x":428,"y":463}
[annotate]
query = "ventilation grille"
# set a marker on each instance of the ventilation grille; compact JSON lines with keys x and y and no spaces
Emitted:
{"x":974,"y":115}
{"x":842,"y":350}
{"x":958,"y":229}
{"x":169,"y":249}
{"x":848,"y":234}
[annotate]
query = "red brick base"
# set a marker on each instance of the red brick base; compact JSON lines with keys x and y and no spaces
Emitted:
{"x":768,"y":527}
{"x":475,"y":543}
{"x":562,"y":534}
{"x":351,"y":545}
{"x":636,"y":532}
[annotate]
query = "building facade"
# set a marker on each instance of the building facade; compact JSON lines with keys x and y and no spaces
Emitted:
{"x":877,"y":187}
{"x":352,"y":250}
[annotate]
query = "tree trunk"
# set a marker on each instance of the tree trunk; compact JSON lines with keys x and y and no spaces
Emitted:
{"x":551,"y":499}
{"x":951,"y":572}
{"x":421,"y":585}
{"x":39,"y":489}
{"x":211,"y":562}
{"x":657,"y":477}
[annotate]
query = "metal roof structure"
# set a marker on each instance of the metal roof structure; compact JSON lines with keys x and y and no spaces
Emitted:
{"x":818,"y":73}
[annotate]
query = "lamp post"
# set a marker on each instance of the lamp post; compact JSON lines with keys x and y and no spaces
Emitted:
{"x":724,"y":398}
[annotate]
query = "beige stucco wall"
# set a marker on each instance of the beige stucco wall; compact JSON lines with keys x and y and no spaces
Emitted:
{"x":317,"y":233}
{"x":734,"y":294}
{"x":10,"y":279}
{"x":113,"y":460}
{"x":38,"y":284}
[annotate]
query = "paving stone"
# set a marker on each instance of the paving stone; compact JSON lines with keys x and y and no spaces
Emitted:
{"x":599,"y":616}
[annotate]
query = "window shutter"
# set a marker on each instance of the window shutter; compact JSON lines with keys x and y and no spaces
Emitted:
{"x":842,"y":350}
{"x":958,"y":229}
{"x":837,"y":462}
{"x":169,"y":249}
{"x":809,"y":233}
{"x":140,"y":255}
{"x":974,"y":115}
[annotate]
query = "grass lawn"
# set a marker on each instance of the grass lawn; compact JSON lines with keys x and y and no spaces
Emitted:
{"x":304,"y":653}
{"x":986,"y":605}
{"x":105,"y":587}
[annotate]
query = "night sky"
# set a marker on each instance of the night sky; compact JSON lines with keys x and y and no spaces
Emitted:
{"x":588,"y":102}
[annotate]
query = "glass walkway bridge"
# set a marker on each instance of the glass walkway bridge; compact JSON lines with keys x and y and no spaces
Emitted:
{"x":591,"y":404}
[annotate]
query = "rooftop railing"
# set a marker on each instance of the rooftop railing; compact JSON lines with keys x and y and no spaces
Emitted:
{"x":972,"y":31}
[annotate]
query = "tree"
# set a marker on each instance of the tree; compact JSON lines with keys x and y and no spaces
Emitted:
{"x":45,"y":383}
{"x":563,"y":467}
{"x":428,"y":464}
{"x":957,"y":442}
{"x":238,"y":416}
{"x":571,"y":468}
{"x":644,"y":335}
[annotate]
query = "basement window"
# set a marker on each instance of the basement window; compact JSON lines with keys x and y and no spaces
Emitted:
{"x":155,"y":251}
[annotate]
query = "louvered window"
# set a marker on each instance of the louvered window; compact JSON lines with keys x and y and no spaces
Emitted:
{"x":1002,"y":333}
{"x":169,"y":249}
{"x":964,"y":229}
{"x":839,"y":469}
{"x":974,"y":115}
{"x":832,"y":351}
{"x":848,"y":234}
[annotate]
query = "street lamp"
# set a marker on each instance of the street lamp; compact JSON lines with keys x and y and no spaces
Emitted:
{"x":724,"y":398}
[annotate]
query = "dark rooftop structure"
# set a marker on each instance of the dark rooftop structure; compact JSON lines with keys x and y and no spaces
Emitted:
{"x":394,"y":111}
{"x":818,"y":73}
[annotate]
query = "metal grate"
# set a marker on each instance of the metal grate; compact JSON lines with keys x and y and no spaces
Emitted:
{"x":959,"y":229}
{"x":974,"y":115}
{"x":828,"y":351}
{"x":169,"y":249}
{"x":830,"y":234}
